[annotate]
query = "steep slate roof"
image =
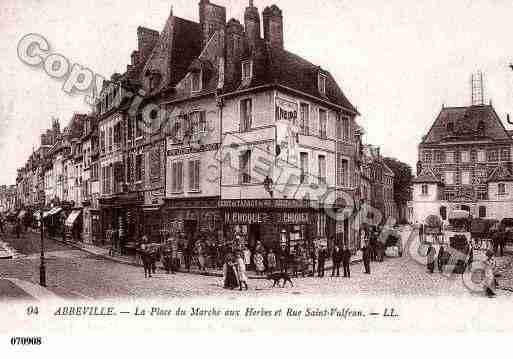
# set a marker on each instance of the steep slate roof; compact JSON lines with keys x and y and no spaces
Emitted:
{"x":500,"y":174}
{"x":466,"y":122}
{"x":178,"y":45}
{"x":426,"y":176}
{"x":274,"y":65}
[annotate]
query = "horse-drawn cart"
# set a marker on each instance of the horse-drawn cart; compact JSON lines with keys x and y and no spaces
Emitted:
{"x":481,"y":231}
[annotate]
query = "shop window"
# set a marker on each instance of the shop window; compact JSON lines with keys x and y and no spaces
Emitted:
{"x":321,"y":225}
{"x":246,"y":114}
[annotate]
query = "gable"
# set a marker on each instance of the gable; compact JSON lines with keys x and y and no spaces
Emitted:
{"x":466,"y":124}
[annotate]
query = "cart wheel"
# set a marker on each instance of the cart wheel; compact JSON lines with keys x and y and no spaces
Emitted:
{"x":477,"y":243}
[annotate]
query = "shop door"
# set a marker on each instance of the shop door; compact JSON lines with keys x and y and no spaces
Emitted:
{"x":253,"y":235}
{"x":189,"y":228}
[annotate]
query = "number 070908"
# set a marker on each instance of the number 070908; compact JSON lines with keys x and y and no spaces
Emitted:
{"x":26,"y":341}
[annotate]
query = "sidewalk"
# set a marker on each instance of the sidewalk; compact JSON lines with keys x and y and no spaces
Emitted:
{"x":130,"y":260}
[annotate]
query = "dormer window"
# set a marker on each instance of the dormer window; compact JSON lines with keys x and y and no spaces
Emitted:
{"x":450,"y":127}
{"x":196,"y":83}
{"x":322,"y":83}
{"x":247,"y":70}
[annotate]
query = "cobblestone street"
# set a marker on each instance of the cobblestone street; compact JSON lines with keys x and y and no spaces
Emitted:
{"x":72,"y":273}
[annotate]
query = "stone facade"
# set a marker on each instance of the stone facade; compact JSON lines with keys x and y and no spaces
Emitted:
{"x":463,"y":159}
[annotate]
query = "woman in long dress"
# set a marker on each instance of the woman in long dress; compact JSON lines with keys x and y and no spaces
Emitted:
{"x":231,"y":280}
{"x":241,"y":267}
{"x":259,"y":263}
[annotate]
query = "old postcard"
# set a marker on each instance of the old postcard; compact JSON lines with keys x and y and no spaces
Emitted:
{"x":218,"y":166}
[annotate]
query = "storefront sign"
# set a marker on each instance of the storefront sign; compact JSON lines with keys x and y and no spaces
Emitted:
{"x":293,"y":218}
{"x":246,"y":218}
{"x":193,"y":149}
{"x":267,"y":203}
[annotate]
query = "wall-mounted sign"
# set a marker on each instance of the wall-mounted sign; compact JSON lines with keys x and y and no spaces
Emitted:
{"x":267,"y":203}
{"x":193,"y":149}
{"x":286,"y":131}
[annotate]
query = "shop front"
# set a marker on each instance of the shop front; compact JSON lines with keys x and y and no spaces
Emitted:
{"x":192,"y":219}
{"x":277,"y":224}
{"x":73,"y":225}
{"x":121,"y":220}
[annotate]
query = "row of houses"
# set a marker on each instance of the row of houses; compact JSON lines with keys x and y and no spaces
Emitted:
{"x":216,"y":132}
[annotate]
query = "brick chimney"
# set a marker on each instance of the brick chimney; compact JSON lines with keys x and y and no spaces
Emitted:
{"x":212,"y":18}
{"x":234,"y":49}
{"x":252,"y":24}
{"x":273,"y":26}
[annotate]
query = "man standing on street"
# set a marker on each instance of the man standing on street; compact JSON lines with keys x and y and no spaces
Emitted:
{"x":346,"y":260}
{"x":321,"y":260}
{"x":366,"y":254}
{"x":337,"y":259}
{"x":313,"y":258}
{"x":431,"y":252}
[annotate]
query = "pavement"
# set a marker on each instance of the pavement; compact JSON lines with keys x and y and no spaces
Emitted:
{"x":73,"y":273}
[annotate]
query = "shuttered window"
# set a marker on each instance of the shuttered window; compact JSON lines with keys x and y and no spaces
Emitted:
{"x":194,"y":175}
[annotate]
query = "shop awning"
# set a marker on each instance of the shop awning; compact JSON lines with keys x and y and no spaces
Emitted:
{"x":52,"y":212}
{"x":73,"y":217}
{"x":22,"y":214}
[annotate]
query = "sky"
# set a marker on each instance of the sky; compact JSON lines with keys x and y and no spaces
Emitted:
{"x":398,"y":61}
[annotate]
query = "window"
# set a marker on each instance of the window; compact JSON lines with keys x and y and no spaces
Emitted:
{"x":449,"y":178}
{"x":505,"y":155}
{"x":304,"y":121}
{"x":110,"y":138}
{"x":465,"y":178}
{"x":481,"y":156}
{"x":443,"y":212}
{"x":322,"y":84}
{"x":177,"y":177}
{"x":303,"y":158}
{"x":138,"y":167}
{"x":439,"y":156}
{"x":338,"y":127}
{"x":493,"y":156}
{"x":427,"y":156}
{"x":502,"y":188}
{"x":117,"y":134}
{"x":197,"y":124}
{"x":196,"y":84}
{"x":194,"y":176}
{"x":450,"y":127}
{"x":128,"y":166}
{"x":247,"y":70}
{"x":322,"y":169}
{"x":465,"y":157}
{"x":482,"y":212}
{"x":342,"y":171}
{"x":102,"y":141}
{"x":449,"y":157}
{"x":245,"y":167}
{"x":322,"y":123}
{"x":246,"y":110}
{"x":139,"y":125}
{"x":345,"y":128}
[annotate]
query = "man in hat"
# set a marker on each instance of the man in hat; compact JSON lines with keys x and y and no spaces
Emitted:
{"x":321,"y":259}
{"x":167,"y":257}
{"x":366,"y":256}
{"x":431,"y":252}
